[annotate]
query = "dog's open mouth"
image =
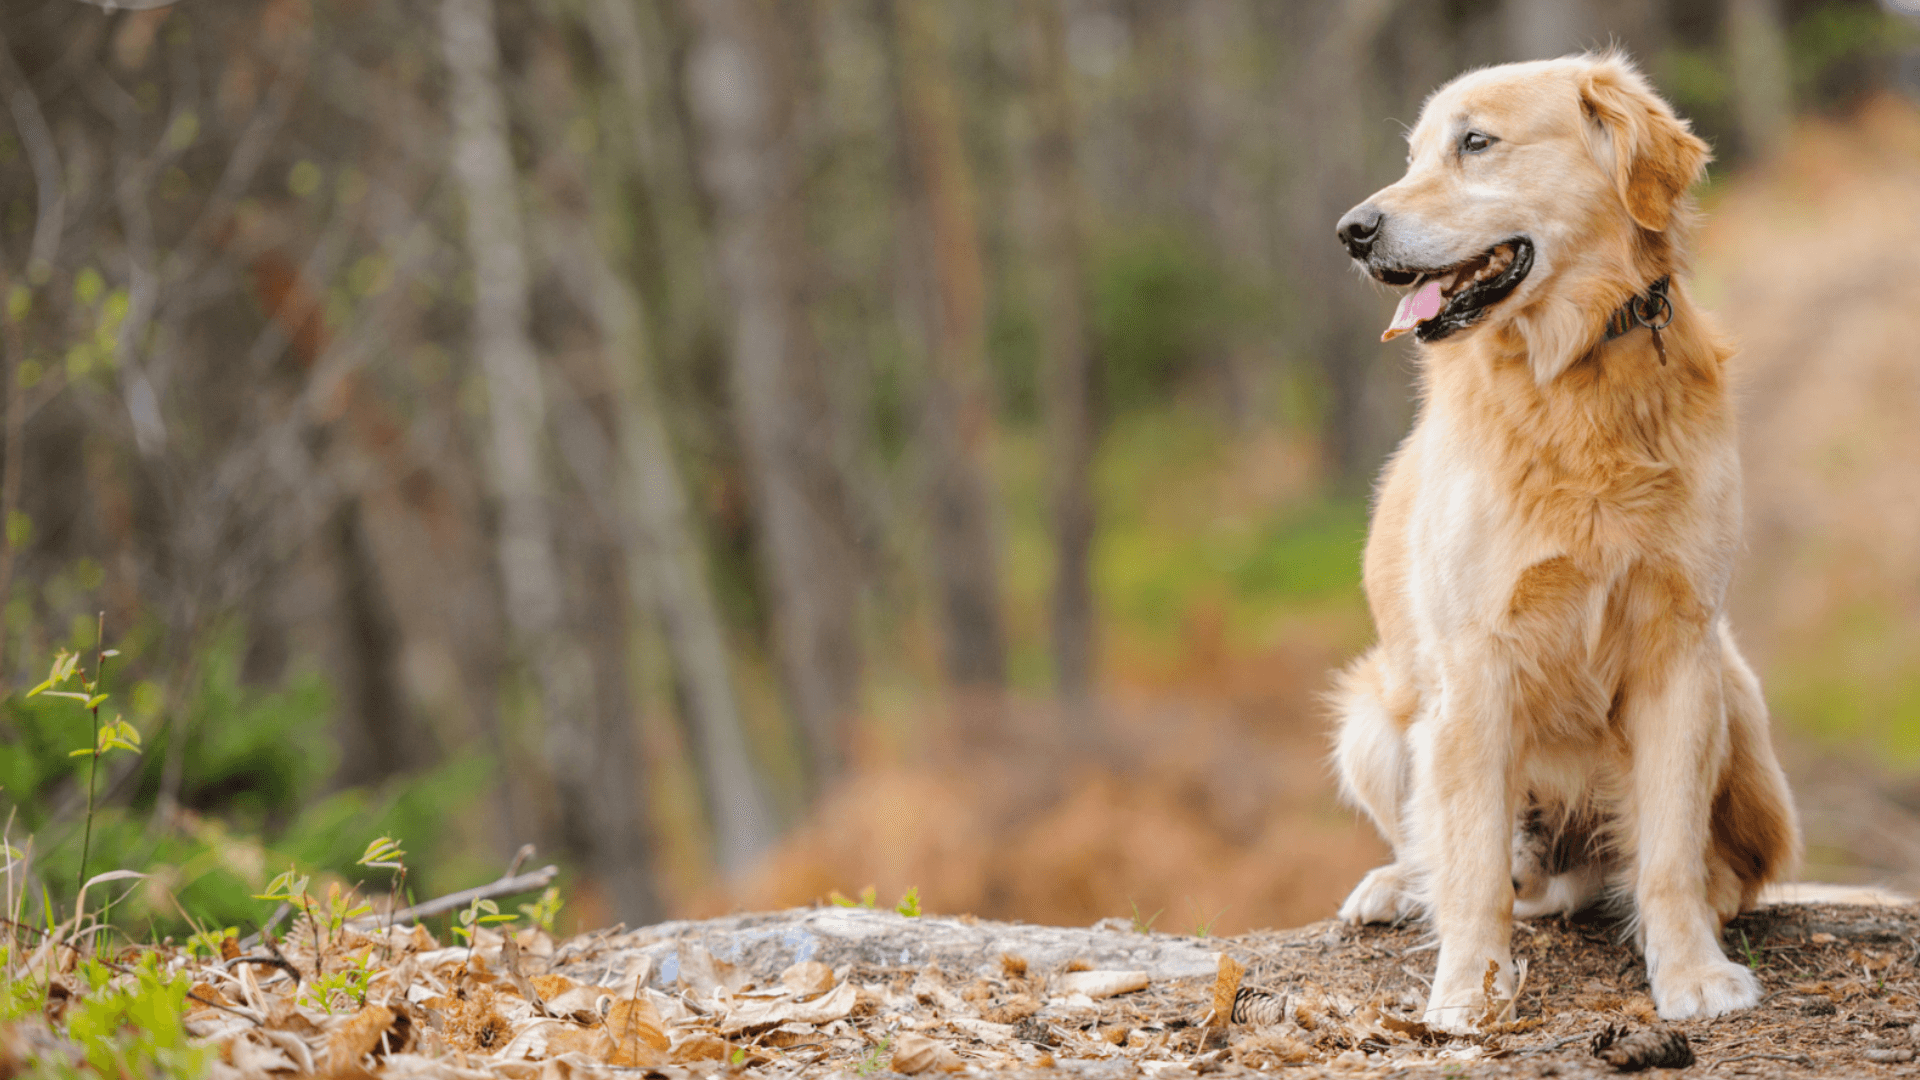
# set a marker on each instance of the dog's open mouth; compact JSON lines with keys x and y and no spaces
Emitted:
{"x":1454,"y":297}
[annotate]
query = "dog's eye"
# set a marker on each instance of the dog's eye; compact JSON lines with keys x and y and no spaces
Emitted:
{"x":1473,"y":142}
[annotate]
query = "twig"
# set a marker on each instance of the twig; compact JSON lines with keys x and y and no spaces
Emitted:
{"x":93,"y":765}
{"x":519,"y":858}
{"x":274,"y":948}
{"x":506,"y":886}
{"x":280,"y":962}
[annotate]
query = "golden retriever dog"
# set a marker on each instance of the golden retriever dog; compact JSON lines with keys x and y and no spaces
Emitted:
{"x":1556,"y":712}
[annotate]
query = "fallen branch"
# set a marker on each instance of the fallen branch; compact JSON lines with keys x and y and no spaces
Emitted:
{"x":506,"y":886}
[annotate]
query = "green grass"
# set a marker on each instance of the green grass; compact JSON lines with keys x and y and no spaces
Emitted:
{"x":1175,"y":538}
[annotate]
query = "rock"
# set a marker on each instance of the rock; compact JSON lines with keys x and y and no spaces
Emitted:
{"x":766,"y":945}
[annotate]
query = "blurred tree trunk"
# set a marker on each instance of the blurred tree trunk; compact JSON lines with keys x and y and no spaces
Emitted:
{"x":1541,"y":29}
{"x":665,"y":564}
{"x":1327,"y":103}
{"x":943,"y":261}
{"x":378,"y":739}
{"x":1067,"y":360}
{"x":1762,"y":78}
{"x":664,"y":555}
{"x":598,"y":820}
{"x":741,"y":92}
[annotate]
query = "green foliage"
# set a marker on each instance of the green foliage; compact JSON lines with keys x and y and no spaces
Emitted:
{"x":909,"y":904}
{"x":137,"y":1031}
{"x":253,"y":766}
{"x":868,"y":897}
{"x":874,"y":1060}
{"x":477,"y":914}
{"x":1161,"y":304}
{"x":211,"y":942}
{"x":343,"y":987}
{"x":1143,"y":925}
{"x":543,"y":911}
{"x":1836,"y":49}
{"x":382,"y":854}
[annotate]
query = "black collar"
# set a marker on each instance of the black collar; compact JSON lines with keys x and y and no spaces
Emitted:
{"x":1653,"y":311}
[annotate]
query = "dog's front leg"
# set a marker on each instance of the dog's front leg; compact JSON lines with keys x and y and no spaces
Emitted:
{"x":1678,"y":730}
{"x":1462,"y":818}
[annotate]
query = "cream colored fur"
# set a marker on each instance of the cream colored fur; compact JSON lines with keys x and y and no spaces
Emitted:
{"x":1548,"y":562}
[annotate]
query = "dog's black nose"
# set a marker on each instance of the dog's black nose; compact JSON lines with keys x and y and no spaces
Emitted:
{"x":1359,"y":228}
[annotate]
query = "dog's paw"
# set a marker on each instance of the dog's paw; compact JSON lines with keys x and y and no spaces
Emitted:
{"x":1381,"y":897}
{"x":1457,"y":1012}
{"x":1714,"y":987}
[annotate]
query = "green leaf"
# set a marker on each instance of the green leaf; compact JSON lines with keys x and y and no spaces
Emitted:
{"x":83,"y":753}
{"x":94,"y":701}
{"x":909,"y":904}
{"x":384,"y":853}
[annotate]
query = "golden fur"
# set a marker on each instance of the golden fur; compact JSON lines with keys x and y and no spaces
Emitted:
{"x":1556,"y":706}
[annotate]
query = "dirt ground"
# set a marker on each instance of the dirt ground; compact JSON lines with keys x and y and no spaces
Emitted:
{"x":1843,"y":998}
{"x":838,"y":992}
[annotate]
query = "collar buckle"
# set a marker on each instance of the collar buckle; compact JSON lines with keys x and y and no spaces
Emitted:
{"x":1653,"y":311}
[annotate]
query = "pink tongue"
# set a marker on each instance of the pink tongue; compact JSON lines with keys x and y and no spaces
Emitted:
{"x":1415,"y":308}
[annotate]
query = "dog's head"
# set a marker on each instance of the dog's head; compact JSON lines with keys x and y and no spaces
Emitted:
{"x":1541,"y":194}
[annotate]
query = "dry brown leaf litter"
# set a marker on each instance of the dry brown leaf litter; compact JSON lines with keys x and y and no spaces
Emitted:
{"x":1844,"y":998}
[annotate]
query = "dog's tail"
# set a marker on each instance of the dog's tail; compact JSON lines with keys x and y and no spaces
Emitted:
{"x":1370,"y":746}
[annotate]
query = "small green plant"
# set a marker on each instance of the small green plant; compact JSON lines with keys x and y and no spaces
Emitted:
{"x":477,"y":914}
{"x":871,"y":1062}
{"x":543,"y":911}
{"x":345,"y":986}
{"x":909,"y":904}
{"x":385,"y":853}
{"x":1753,"y":958}
{"x":1203,"y":928}
{"x":868,"y":897}
{"x":212,"y":942}
{"x":119,"y":735}
{"x":136,"y":1030}
{"x":326,"y":917}
{"x":1143,"y":925}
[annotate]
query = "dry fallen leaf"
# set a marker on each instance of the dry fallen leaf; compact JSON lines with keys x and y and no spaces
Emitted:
{"x":253,"y":1055}
{"x":703,"y":973}
{"x":914,"y":1054}
{"x":357,"y":1036}
{"x":808,"y":977}
{"x":632,"y":1033}
{"x":759,"y":1015}
{"x":552,"y":986}
{"x":699,"y":1046}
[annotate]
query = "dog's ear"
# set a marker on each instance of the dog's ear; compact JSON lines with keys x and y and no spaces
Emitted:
{"x":1654,"y":156}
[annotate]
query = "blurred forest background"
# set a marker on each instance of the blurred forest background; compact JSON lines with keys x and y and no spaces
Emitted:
{"x":755,"y":448}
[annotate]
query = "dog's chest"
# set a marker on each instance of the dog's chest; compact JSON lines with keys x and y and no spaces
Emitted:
{"x":1526,"y":537}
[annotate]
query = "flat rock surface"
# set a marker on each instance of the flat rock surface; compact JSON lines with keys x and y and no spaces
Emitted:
{"x":765,"y":944}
